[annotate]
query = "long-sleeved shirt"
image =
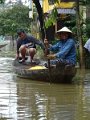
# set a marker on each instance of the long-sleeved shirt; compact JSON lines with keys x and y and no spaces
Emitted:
{"x":29,"y":39}
{"x":65,"y":50}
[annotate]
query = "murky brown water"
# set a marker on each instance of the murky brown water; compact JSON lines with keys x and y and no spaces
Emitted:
{"x":22,"y":99}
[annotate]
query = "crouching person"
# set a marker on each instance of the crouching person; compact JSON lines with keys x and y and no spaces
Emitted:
{"x":26,"y":45}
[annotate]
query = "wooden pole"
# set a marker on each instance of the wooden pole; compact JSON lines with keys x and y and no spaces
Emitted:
{"x":81,"y":53}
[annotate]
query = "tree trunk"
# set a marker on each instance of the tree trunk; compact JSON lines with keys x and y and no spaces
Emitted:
{"x":41,"y":19}
{"x":82,"y":63}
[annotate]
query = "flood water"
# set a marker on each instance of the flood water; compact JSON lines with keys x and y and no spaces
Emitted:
{"x":23,"y":99}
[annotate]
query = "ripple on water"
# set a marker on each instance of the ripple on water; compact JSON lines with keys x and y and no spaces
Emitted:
{"x":22,"y":99}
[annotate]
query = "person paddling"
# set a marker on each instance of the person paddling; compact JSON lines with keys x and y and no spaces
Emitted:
{"x":64,"y":51}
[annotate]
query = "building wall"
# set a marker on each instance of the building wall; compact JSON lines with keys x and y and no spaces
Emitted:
{"x":48,"y":5}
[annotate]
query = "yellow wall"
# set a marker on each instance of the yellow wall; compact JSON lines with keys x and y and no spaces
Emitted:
{"x":47,"y":7}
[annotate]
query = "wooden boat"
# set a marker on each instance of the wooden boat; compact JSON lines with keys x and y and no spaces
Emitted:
{"x":2,"y":45}
{"x":37,"y":71}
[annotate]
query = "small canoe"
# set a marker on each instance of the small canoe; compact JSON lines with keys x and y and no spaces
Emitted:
{"x":2,"y":45}
{"x":37,"y":71}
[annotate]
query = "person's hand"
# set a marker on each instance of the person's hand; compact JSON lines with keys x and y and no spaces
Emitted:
{"x":51,"y":56}
{"x":28,"y":44}
{"x":46,"y":52}
{"x":46,"y":43}
{"x":17,"y":56}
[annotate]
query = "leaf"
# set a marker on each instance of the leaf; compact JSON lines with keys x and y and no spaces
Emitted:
{"x":52,"y":18}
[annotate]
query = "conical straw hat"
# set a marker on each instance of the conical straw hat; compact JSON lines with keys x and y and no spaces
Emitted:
{"x":64,"y":29}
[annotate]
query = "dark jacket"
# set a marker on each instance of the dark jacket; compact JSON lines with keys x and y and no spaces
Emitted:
{"x":29,"y":39}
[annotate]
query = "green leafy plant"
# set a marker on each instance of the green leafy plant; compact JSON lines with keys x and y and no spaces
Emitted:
{"x":52,"y":18}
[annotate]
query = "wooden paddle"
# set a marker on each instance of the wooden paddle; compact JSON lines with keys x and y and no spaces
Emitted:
{"x":46,"y":53}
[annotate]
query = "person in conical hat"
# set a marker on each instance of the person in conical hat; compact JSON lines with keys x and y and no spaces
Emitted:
{"x":64,"y":51}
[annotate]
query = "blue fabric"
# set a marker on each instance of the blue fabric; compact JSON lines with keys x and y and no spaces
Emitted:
{"x":66,"y":51}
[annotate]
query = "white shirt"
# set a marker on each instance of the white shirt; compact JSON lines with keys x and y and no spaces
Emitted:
{"x":87,"y":45}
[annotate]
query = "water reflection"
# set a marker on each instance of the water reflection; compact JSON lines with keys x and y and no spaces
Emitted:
{"x":47,"y":101}
{"x":22,"y":99}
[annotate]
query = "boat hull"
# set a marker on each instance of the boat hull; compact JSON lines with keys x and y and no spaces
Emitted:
{"x":61,"y":74}
{"x":2,"y":45}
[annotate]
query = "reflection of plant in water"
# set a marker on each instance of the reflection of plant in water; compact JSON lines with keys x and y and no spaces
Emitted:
{"x":79,"y":77}
{"x":3,"y":118}
{"x":7,"y":53}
